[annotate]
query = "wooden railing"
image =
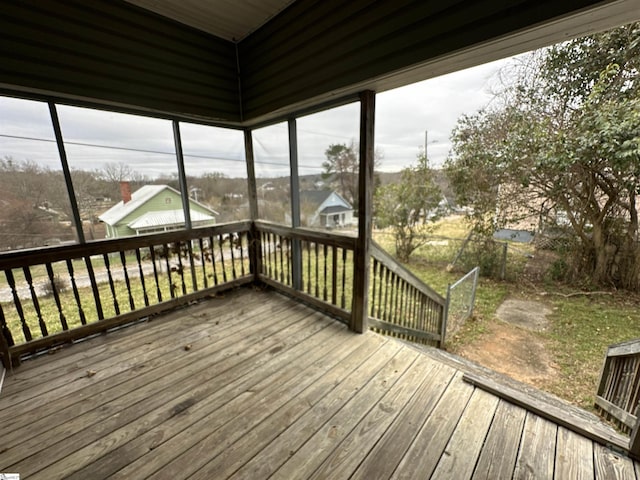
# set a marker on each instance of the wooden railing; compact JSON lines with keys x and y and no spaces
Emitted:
{"x":401,"y":304}
{"x":55,"y":295}
{"x":316,"y":267}
{"x":619,"y":388}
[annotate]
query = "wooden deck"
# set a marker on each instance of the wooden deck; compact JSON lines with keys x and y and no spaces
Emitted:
{"x":255,"y":385}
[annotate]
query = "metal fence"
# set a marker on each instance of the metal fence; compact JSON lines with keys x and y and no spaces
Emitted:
{"x":461,"y":297}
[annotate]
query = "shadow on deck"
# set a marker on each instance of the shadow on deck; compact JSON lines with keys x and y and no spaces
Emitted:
{"x":254,"y":385}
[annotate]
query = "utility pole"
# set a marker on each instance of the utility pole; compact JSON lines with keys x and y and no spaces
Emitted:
{"x":426,"y":137}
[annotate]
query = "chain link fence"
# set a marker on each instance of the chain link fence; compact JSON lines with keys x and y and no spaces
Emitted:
{"x":461,"y":297}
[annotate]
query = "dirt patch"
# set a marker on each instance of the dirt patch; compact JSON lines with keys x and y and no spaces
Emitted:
{"x":524,"y":313}
{"x":514,"y":351}
{"x":511,"y":345}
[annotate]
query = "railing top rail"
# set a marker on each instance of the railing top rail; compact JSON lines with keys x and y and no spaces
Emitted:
{"x":36,"y":256}
{"x":392,"y":264}
{"x":343,"y":240}
{"x":630,"y":347}
{"x":474,"y":271}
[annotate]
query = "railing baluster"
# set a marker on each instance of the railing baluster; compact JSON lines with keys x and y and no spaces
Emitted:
{"x":166,"y":252}
{"x":178,"y":252}
{"x":152,"y":253}
{"x":241,"y":243}
{"x":112,"y":286}
{"x":289,"y":261}
{"x":308,"y":250}
{"x":317,"y":271}
{"x":16,"y":302}
{"x":203,"y":263}
{"x":233,"y":259}
{"x":325,"y":255}
{"x":36,"y":303}
{"x":212,"y":252}
{"x":4,"y":329}
{"x":385,"y":315}
{"x":334,"y":275}
{"x":76,"y":293}
{"x":56,"y":296}
{"x":142,"y":282}
{"x":123,"y":260}
{"x":222,"y":262}
{"x":194,"y":279}
{"x":374,"y":268}
{"x":280,"y":242}
{"x":271,"y":247}
{"x":344,"y":277}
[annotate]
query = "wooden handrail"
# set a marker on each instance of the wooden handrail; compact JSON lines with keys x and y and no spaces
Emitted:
{"x":392,"y":264}
{"x":343,"y":240}
{"x":36,"y":256}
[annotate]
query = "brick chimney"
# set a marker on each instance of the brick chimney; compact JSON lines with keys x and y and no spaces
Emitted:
{"x":125,"y":192}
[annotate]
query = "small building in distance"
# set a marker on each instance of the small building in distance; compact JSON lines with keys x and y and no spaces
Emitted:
{"x":325,"y":208}
{"x":152,"y":209}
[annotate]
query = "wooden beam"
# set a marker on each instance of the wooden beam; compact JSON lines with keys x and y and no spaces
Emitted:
{"x":182,"y":177}
{"x":254,"y":246}
{"x":359,"y":315}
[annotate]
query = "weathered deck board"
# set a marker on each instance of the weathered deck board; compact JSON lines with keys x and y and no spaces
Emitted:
{"x":498,"y":457}
{"x":464,"y":447}
{"x":537,"y":449}
{"x":611,"y":465}
{"x":270,"y":388}
{"x":574,"y":456}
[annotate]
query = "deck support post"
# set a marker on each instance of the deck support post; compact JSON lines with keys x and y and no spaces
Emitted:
{"x":365,"y":199}
{"x":296,"y":250}
{"x":254,"y":238}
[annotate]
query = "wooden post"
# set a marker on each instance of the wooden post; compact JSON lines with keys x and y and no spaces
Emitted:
{"x":359,"y":319}
{"x":182,"y":177}
{"x":296,"y":251}
{"x":255,"y":262}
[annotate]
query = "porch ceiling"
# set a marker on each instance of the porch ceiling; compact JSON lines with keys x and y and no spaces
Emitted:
{"x":243,"y":62}
{"x":229,"y":19}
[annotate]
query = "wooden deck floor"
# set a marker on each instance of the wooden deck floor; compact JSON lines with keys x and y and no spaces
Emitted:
{"x":255,"y":385}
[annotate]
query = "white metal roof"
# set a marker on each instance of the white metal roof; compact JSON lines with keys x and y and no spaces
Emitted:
{"x":167,"y":218}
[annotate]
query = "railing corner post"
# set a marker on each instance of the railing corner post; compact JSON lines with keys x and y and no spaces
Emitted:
{"x":255,"y":260}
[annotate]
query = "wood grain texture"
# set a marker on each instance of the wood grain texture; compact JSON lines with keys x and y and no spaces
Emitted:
{"x":611,"y":465}
{"x":574,"y":456}
{"x":257,"y":385}
{"x":498,"y":457}
{"x":460,"y":455}
{"x":537,"y":449}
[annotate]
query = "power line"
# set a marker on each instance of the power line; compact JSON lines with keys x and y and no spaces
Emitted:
{"x":157,"y":152}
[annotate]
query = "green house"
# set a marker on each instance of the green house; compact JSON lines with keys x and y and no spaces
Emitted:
{"x":152,"y":209}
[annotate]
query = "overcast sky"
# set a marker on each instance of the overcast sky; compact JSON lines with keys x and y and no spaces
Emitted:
{"x":402,"y":117}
